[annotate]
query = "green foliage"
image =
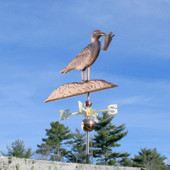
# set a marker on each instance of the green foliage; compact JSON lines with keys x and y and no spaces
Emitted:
{"x":78,"y":150}
{"x":105,"y":139}
{"x":58,"y":135}
{"x":17,"y":149}
{"x":126,"y":162}
{"x":149,"y":159}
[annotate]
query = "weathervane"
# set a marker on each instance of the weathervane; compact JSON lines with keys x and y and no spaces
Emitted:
{"x":82,"y":62}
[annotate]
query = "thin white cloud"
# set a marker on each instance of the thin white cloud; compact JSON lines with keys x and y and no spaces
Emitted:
{"x":134,"y":100}
{"x":136,"y":23}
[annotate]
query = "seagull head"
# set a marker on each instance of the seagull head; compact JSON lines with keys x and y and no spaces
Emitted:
{"x":96,"y":35}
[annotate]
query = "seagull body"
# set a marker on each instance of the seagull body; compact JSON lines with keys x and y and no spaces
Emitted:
{"x":84,"y":59}
{"x":87,"y":56}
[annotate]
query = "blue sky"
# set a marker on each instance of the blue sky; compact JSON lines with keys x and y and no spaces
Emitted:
{"x":39,"y":38}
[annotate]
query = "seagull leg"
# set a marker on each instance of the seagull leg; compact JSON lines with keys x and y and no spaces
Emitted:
{"x":85,"y":75}
{"x":81,"y":76}
{"x":88,"y":73}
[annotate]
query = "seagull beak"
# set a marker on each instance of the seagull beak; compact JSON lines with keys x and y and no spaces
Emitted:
{"x":102,"y":34}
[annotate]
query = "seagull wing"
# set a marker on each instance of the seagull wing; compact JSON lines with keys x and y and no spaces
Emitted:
{"x":80,"y":61}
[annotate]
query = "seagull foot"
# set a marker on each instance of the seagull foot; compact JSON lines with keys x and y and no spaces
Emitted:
{"x":84,"y":81}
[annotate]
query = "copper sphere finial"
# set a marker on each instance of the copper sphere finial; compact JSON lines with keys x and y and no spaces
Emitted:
{"x":88,"y":103}
{"x":88,"y":124}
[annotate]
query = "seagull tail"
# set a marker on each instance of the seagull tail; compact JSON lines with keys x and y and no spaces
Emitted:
{"x":64,"y":70}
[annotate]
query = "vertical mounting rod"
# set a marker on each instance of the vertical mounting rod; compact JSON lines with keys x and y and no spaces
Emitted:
{"x":87,"y":148}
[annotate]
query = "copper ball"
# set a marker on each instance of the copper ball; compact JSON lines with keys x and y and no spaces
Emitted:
{"x":88,"y":124}
{"x":88,"y":103}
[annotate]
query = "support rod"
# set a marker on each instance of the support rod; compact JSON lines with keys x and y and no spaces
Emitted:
{"x":88,"y":97}
{"x":87,"y":148}
{"x":87,"y":133}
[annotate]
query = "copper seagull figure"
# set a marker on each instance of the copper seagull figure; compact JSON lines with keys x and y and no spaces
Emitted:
{"x":86,"y":57}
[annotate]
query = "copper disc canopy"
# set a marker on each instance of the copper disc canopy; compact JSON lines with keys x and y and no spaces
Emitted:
{"x":76,"y":88}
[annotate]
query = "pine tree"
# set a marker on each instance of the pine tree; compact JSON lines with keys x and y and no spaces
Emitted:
{"x":106,"y":138}
{"x":149,"y":159}
{"x":78,"y":150}
{"x":126,"y":162}
{"x":58,"y":135}
{"x":17,"y":149}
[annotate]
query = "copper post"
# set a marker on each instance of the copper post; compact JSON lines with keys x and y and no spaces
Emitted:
{"x":87,"y":148}
{"x":87,"y":135}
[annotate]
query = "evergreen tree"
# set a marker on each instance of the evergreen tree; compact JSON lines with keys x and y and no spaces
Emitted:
{"x":149,"y":159}
{"x":58,"y":135}
{"x":106,"y":138}
{"x":126,"y":162}
{"x":78,"y":150}
{"x":17,"y":149}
